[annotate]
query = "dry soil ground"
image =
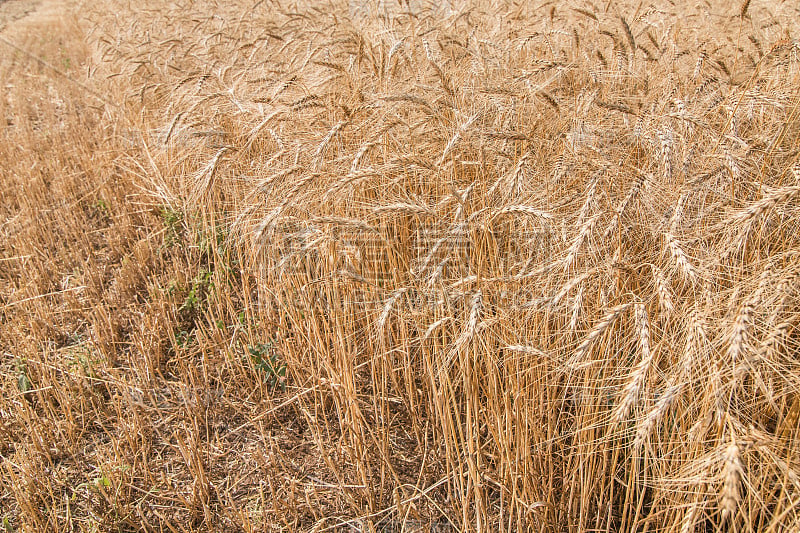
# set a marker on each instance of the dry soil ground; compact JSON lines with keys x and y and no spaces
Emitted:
{"x":11,"y":10}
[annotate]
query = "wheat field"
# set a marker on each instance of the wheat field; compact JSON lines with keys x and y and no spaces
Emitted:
{"x":289,"y":265}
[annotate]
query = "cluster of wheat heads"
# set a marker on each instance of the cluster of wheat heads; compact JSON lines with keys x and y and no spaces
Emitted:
{"x":529,"y":266}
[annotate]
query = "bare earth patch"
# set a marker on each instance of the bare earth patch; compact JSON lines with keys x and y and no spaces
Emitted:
{"x":11,"y":10}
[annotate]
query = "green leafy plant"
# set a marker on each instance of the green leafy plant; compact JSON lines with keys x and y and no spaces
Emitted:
{"x":81,"y":355}
{"x":200,"y":284}
{"x":173,"y":221}
{"x":102,"y":481}
{"x":23,"y":381}
{"x":268,"y":361}
{"x":101,"y":206}
{"x":184,"y":338}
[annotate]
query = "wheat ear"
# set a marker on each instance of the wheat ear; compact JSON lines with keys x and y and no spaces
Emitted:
{"x":731,"y":480}
{"x":578,"y":357}
{"x":637,"y":378}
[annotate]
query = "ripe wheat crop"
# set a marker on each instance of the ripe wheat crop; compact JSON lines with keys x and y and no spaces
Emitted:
{"x":468,"y":266}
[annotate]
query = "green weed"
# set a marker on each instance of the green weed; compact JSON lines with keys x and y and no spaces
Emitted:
{"x":268,"y":361}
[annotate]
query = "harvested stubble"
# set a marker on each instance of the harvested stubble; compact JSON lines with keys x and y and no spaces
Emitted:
{"x":526,"y":267}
